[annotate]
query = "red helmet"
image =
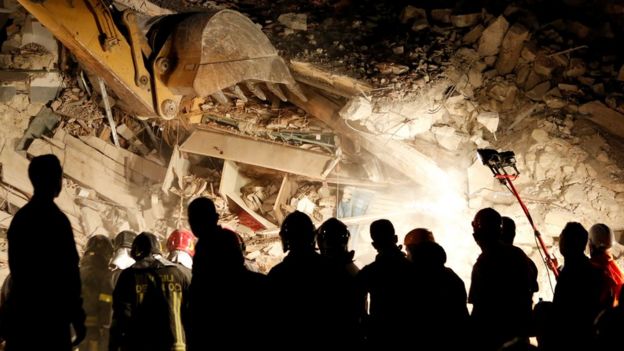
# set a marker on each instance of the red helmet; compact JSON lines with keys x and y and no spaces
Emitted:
{"x":183,"y":240}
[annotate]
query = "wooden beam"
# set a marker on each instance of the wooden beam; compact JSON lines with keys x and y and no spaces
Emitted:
{"x":399,"y":155}
{"x":333,"y":83}
{"x":260,"y":153}
{"x":148,"y":168}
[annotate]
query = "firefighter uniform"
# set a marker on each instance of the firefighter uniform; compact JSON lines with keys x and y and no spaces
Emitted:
{"x":150,"y":304}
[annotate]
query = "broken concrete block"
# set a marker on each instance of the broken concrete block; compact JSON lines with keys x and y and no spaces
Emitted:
{"x":391,"y":68}
{"x":45,"y":87}
{"x":529,"y":51}
{"x":467,"y":20}
{"x":576,"y":68}
{"x":295,"y":21}
{"x":490,"y":60}
{"x":441,"y":15}
{"x":473,"y":35}
{"x":475,"y":77}
{"x":479,"y":178}
{"x":7,"y":92}
{"x":34,"y":32}
{"x":533,"y":79}
{"x":522,"y":74}
{"x":489,"y":120}
{"x":537,"y":93}
{"x":571,"y":88}
{"x":620,"y":76}
{"x":554,"y":102}
{"x":45,"y":121}
{"x":540,"y":135}
{"x":356,"y":109}
{"x":420,"y":24}
{"x":410,"y":12}
{"x":492,"y":37}
{"x":511,"y":47}
{"x":544,"y":65}
{"x":609,"y":119}
{"x":447,"y":137}
{"x":579,"y":29}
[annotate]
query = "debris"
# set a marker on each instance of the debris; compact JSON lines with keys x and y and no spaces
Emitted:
{"x":473,"y":35}
{"x":441,"y":15}
{"x":529,"y":51}
{"x":391,"y":68}
{"x":295,"y":21}
{"x":576,"y":68}
{"x":489,"y":120}
{"x":620,"y":76}
{"x":511,"y":47}
{"x":357,"y":108}
{"x":45,"y":87}
{"x":492,"y":37}
{"x":608,"y":119}
{"x":45,"y":121}
{"x":537,"y":93}
{"x":467,"y":20}
{"x":411,"y":12}
{"x":136,"y":145}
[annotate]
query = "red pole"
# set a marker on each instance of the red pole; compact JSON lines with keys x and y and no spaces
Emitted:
{"x":551,"y":260}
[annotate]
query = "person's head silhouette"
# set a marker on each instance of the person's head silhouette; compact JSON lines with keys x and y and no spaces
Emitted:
{"x":202,"y":216}
{"x":297,"y":233}
{"x":383,"y":235}
{"x":508,"y":230}
{"x":46,"y":175}
{"x":486,"y":227}
{"x":573,"y":240}
{"x":333,"y":237}
{"x":145,"y":245}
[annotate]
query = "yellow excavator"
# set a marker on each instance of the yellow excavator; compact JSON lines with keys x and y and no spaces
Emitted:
{"x":152,"y":63}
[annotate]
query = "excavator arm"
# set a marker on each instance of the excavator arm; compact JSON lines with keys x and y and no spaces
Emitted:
{"x":205,"y":54}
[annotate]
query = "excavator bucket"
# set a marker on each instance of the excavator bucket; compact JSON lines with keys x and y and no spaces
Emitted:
{"x":213,"y":53}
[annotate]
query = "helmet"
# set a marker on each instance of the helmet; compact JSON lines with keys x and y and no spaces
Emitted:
{"x":144,"y":245}
{"x":183,"y":240}
{"x":297,"y":231}
{"x":601,"y":236}
{"x":418,"y":236}
{"x":332,"y":234}
{"x":100,"y":245}
{"x":124,"y":239}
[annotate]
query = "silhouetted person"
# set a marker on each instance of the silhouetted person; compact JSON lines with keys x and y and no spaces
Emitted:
{"x":4,"y":295}
{"x":181,"y":247}
{"x":441,"y":314}
{"x":350,"y":303}
{"x":389,"y":281}
{"x":226,"y":297}
{"x":601,"y":240}
{"x":301,"y":289}
{"x":122,"y":243}
{"x":508,"y":234}
{"x":45,"y":297}
{"x":502,"y":287}
{"x":415,"y":237}
{"x":508,"y":230}
{"x":150,"y":301}
{"x":581,"y":293}
{"x":609,"y":326}
{"x":97,"y":292}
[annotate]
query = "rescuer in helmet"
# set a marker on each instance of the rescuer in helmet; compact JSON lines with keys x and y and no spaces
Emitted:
{"x":97,"y":291}
{"x":181,"y":247}
{"x":121,"y":257}
{"x":150,"y":301}
{"x":333,"y":242}
{"x":601,"y":240}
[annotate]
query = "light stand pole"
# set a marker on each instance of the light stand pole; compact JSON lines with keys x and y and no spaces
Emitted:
{"x":498,"y":162}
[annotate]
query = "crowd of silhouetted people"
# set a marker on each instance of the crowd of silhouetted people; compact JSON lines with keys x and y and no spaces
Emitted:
{"x":126,"y":294}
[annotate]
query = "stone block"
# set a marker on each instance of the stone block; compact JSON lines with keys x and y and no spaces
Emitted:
{"x":441,"y":15}
{"x":466,"y":20}
{"x":473,"y":35}
{"x":492,"y":37}
{"x":511,"y":48}
{"x":45,"y":88}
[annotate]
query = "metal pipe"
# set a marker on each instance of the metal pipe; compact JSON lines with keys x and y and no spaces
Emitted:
{"x":109,"y":112}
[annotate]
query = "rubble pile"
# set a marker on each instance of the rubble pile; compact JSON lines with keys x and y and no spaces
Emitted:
{"x":313,"y":198}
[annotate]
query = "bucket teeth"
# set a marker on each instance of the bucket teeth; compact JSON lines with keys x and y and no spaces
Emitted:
{"x":254,"y":89}
{"x":294,"y":88}
{"x":276,"y":90}
{"x":236,"y":90}
{"x":220,"y":97}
